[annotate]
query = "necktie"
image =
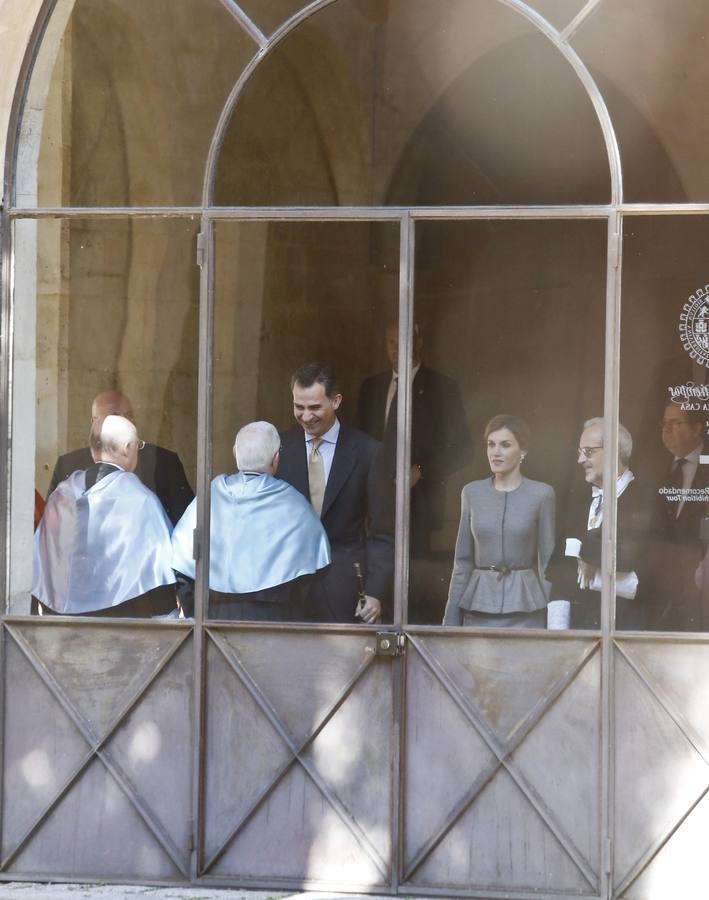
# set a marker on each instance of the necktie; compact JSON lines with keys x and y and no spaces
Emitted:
{"x":393,"y":385}
{"x":672,"y":506}
{"x":316,"y":476}
{"x":596,"y":509}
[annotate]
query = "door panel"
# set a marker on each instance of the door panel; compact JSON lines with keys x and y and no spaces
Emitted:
{"x":97,"y":769}
{"x":661,"y":769}
{"x":299,"y":757}
{"x":502,"y":726}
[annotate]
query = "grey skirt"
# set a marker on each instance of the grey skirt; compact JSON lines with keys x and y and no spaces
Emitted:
{"x":535,"y":619}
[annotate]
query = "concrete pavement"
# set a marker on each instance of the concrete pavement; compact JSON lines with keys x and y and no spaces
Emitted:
{"x":19,"y":890}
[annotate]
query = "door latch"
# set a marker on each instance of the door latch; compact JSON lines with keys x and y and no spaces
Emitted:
{"x":390,"y":643}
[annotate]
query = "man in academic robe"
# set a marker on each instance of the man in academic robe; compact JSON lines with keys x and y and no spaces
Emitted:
{"x":103,"y":544}
{"x":265,"y":540}
{"x":440,"y":445}
{"x":336,"y":468}
{"x":158,"y":468}
{"x":575,"y":571}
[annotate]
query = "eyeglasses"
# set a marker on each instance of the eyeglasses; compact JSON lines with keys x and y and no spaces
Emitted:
{"x":587,"y":452}
{"x":141,"y":445}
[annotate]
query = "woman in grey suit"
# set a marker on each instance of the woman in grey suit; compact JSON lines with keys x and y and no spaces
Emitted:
{"x":505,"y":539}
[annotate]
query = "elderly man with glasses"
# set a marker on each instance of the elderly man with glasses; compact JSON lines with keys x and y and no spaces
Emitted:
{"x":103,"y":545}
{"x":576,"y":572}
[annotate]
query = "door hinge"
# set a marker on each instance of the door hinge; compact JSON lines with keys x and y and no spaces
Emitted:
{"x":200,"y":249}
{"x":190,"y":836}
{"x":196,"y":545}
{"x":390,"y":643}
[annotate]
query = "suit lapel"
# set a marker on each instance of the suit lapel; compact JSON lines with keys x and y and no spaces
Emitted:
{"x":380,"y":390}
{"x":293,"y":465}
{"x":342,"y":465}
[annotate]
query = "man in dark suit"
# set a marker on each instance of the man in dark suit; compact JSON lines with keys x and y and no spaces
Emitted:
{"x":440,"y":445}
{"x":159,"y":469}
{"x":335,"y":468}
{"x":682,"y":504}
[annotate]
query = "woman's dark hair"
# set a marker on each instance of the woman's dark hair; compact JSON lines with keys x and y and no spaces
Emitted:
{"x":517,"y":426}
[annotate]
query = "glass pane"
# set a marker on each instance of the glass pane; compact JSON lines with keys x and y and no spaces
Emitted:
{"x":511,"y":316}
{"x":428,"y":102}
{"x":123,"y":102}
{"x":650,"y":60}
{"x":270,"y":14}
{"x":286,"y":295}
{"x":106,"y":323}
{"x":558,"y":12}
{"x":665,"y":404}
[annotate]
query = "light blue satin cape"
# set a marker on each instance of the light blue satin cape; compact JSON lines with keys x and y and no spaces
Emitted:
{"x":95,"y":549}
{"x":263,"y":533}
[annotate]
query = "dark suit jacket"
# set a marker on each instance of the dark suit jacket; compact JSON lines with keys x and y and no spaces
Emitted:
{"x":678,"y":550}
{"x":159,"y":469}
{"x":352,"y":518}
{"x":686,"y":526}
{"x":440,"y":440}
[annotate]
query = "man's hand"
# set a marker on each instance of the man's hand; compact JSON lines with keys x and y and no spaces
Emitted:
{"x":369,"y":610}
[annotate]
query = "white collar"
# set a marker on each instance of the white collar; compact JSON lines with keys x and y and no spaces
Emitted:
{"x":330,"y":436}
{"x":692,"y":457}
{"x":414,"y":373}
{"x":621,"y":484}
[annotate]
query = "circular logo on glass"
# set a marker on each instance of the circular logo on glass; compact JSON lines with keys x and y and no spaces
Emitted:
{"x":694,"y":325}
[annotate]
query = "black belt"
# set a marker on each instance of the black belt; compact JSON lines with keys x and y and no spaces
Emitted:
{"x":502,"y":570}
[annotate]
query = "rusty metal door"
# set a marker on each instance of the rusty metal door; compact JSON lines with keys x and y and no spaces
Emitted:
{"x":505,"y":732}
{"x":300,"y":758}
{"x":661,"y":767}
{"x":97,"y":769}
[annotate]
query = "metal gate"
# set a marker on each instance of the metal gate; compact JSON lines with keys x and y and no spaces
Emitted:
{"x":471,"y":764}
{"x":97,"y":768}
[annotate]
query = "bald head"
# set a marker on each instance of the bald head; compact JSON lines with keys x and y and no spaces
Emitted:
{"x":114,"y":439}
{"x":256,"y":448}
{"x":111,"y":403}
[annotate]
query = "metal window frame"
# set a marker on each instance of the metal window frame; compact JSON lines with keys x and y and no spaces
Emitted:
{"x":613,"y":213}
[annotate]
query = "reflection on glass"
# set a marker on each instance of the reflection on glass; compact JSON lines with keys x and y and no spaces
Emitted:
{"x":665,"y":395}
{"x":505,"y":539}
{"x":649,"y":59}
{"x":418,"y":103}
{"x":115,"y":354}
{"x":129,"y":95}
{"x":288,"y":295}
{"x":512,"y":313}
